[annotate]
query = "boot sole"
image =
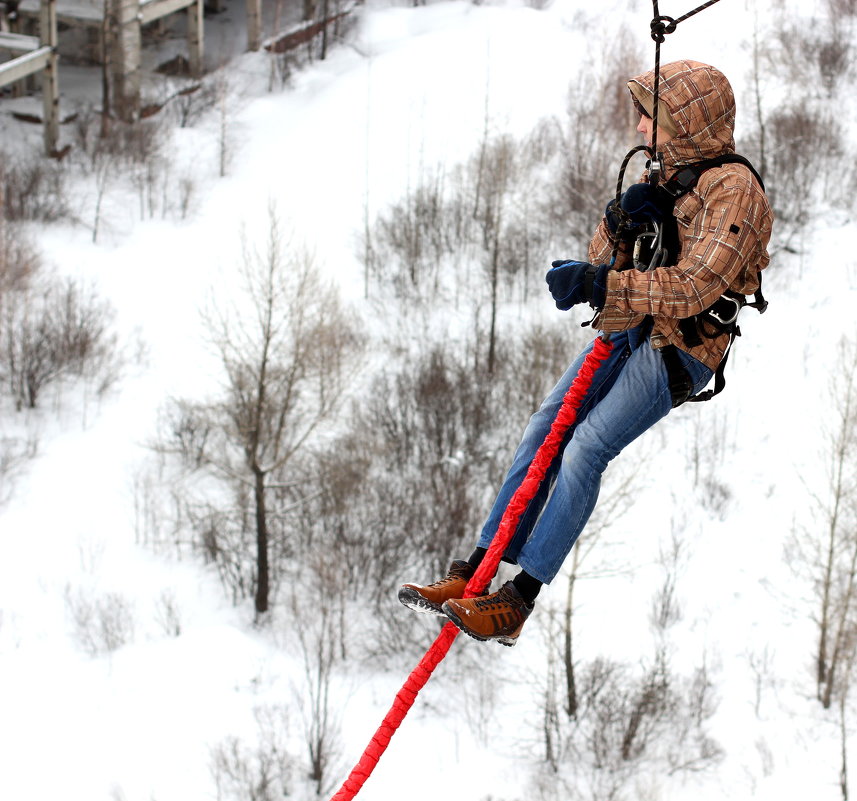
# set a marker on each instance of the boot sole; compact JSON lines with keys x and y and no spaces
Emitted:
{"x":413,"y":600}
{"x":502,"y":639}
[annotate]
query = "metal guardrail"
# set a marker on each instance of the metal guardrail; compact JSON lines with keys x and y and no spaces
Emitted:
{"x":18,"y":42}
{"x":22,"y":66}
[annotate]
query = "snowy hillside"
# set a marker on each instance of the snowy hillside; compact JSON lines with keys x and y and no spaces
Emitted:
{"x":413,"y":93}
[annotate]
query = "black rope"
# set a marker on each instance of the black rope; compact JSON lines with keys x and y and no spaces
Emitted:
{"x":695,"y":11}
{"x":660,"y":27}
{"x":620,"y":213}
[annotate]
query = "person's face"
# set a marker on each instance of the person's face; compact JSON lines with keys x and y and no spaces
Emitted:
{"x":645,"y":127}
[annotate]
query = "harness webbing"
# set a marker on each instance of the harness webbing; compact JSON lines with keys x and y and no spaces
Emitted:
{"x":545,"y":455}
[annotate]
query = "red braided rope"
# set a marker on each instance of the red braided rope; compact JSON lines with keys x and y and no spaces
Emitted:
{"x":546,"y":453}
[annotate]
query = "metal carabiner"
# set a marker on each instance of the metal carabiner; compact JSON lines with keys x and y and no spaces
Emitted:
{"x":657,"y":255}
{"x":729,"y":318}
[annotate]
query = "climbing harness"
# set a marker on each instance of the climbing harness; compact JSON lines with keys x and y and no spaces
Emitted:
{"x":722,"y":316}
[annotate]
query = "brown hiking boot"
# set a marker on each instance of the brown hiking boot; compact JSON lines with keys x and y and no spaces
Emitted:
{"x":431,"y":597}
{"x":499,"y":616}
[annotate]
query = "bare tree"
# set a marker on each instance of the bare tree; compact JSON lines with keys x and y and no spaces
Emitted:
{"x":288,"y":351}
{"x":826,"y":551}
{"x":316,"y":611}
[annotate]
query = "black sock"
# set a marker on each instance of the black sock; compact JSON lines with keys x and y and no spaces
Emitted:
{"x":528,"y":586}
{"x":475,"y":559}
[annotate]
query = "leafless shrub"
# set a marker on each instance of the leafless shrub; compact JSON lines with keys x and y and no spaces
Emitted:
{"x":432,"y":418}
{"x":795,"y":181}
{"x":102,"y":624}
{"x":61,"y":330}
{"x":614,"y":723}
{"x":259,"y":772}
{"x":127,"y":143}
{"x":316,"y":625}
{"x":629,"y":723}
{"x":186,"y":430}
{"x":825,"y":551}
{"x":707,"y":452}
{"x":19,"y":260}
{"x":140,"y":154}
{"x":817,"y":54}
{"x":410,"y":242}
{"x":33,"y":189}
{"x":432,"y":425}
{"x":225,"y":538}
{"x":842,"y":8}
{"x":761,"y":663}
{"x":147,"y":514}
{"x":193,"y":102}
{"x":621,"y":721}
{"x":463,"y":233}
{"x":474,"y":232}
{"x":15,"y":453}
{"x":225,"y":94}
{"x":168,"y":615}
{"x":666,"y":610}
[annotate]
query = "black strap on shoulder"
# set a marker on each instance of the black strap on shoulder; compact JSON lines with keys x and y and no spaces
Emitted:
{"x":688,"y":176}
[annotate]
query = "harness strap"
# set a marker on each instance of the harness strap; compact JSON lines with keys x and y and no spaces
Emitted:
{"x":679,"y":380}
{"x":687,"y":177}
{"x":719,"y":377}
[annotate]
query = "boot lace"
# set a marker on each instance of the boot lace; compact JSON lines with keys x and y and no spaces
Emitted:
{"x":453,"y":575}
{"x":501,"y":598}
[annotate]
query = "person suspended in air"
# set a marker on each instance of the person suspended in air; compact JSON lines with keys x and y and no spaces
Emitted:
{"x":669,"y":267}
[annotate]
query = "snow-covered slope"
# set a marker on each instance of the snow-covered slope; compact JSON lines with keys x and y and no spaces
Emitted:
{"x":416,"y":89}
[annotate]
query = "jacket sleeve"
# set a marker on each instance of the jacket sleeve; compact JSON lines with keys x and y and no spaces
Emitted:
{"x":600,"y":252}
{"x":719,"y":229}
{"x":601,"y":248}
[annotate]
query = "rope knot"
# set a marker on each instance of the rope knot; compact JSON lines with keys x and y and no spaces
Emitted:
{"x":661,"y":26}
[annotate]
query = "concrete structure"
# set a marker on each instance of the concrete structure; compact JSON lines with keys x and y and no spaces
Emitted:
{"x":112,"y":31}
{"x":32,"y":55}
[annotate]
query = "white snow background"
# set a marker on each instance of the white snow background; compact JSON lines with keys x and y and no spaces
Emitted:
{"x":411,"y":92}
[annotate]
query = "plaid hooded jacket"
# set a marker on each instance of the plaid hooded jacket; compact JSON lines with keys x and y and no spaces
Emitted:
{"x":724,"y":224}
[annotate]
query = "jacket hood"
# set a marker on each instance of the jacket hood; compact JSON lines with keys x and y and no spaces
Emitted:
{"x":699,"y":106}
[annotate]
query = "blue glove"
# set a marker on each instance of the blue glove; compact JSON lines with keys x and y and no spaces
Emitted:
{"x":640,"y":204}
{"x":573,"y":282}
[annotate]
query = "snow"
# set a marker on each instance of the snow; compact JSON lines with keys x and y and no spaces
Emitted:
{"x":416,"y":90}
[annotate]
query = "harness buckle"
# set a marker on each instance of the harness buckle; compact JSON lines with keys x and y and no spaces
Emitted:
{"x":726,"y":317}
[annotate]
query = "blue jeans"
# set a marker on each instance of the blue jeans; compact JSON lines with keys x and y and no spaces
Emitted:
{"x":629,"y":394}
